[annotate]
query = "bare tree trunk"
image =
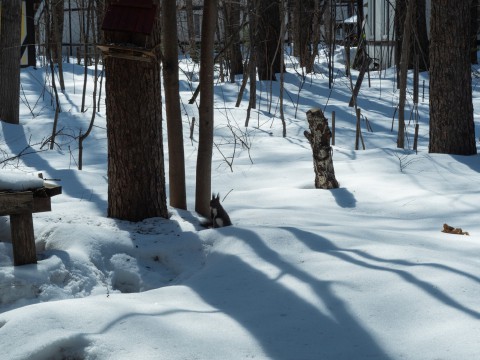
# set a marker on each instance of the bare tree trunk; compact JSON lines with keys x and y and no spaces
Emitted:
{"x":83,"y":137}
{"x":319,"y":139}
{"x":474,"y":31}
{"x":399,"y":22}
{"x":452,"y":129}
{"x":10,"y":61}
{"x":252,"y":63}
{"x":232,"y":37}
{"x":315,"y":36}
{"x":360,"y":17}
{"x":191,"y":30}
{"x":58,"y":15}
{"x":404,"y":60}
{"x":303,"y":25}
{"x":267,"y":39}
{"x":86,"y":36}
{"x":418,"y":33}
{"x":99,"y":39}
{"x":50,"y":50}
{"x":421,"y":38}
{"x":205,"y":141}
{"x":282,"y":72}
{"x":176,"y":163}
{"x":136,"y":174}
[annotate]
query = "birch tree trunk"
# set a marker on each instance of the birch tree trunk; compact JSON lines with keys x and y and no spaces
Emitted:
{"x":319,"y":139}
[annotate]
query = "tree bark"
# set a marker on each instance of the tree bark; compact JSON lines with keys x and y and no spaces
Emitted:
{"x":419,"y":43}
{"x":252,"y":63}
{"x":10,"y":36}
{"x":421,"y":37}
{"x":136,"y":174}
{"x":176,"y":162}
{"x":57,"y":28}
{"x":452,"y":129}
{"x":205,"y":111}
{"x":473,"y":31}
{"x":232,"y":37}
{"x":303,"y":21}
{"x":404,"y":60}
{"x":191,"y":30}
{"x":319,"y":139}
{"x":267,"y":39}
{"x":399,"y":21}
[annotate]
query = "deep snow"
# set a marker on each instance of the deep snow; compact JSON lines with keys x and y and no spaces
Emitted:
{"x":359,"y":272}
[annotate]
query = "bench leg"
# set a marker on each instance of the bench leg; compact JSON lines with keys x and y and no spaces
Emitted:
{"x":23,"y":240}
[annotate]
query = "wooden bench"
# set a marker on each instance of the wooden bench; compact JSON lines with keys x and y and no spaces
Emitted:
{"x":20,"y":205}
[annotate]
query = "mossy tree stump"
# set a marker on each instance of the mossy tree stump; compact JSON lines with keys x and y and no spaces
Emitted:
{"x":319,"y":139}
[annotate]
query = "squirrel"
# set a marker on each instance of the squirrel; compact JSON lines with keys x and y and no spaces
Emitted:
{"x":218,"y":215}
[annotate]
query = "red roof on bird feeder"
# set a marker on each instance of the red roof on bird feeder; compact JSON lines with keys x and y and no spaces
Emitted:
{"x":133,"y":16}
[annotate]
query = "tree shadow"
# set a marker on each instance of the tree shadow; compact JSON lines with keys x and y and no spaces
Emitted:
{"x":285,"y":324}
{"x":319,"y":244}
{"x":344,"y":198}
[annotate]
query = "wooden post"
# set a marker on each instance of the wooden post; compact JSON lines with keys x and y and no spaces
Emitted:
{"x":20,"y":206}
{"x":319,"y":139}
{"x":333,"y":127}
{"x":23,"y":241}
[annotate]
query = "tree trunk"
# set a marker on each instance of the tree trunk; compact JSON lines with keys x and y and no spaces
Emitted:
{"x":205,"y":111}
{"x":252,"y":63}
{"x":282,"y":72}
{"x":136,"y":175}
{"x":176,"y":163}
{"x":359,"y":19}
{"x":303,"y":21}
{"x":399,"y":21}
{"x":315,"y":36}
{"x":418,"y":33}
{"x":452,"y":129}
{"x":421,"y":37}
{"x":474,"y":31}
{"x":57,"y":28}
{"x":404,"y":60}
{"x":267,"y":39}
{"x":10,"y":61}
{"x":319,"y":139}
{"x":191,"y":30}
{"x":232,"y":37}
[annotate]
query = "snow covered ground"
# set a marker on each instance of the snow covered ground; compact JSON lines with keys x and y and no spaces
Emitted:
{"x":359,"y":272}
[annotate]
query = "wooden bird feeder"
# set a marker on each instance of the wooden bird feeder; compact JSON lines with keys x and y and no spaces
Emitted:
{"x":20,"y":205}
{"x":127,"y":25}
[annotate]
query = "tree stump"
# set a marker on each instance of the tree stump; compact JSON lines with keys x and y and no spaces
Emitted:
{"x":319,"y":139}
